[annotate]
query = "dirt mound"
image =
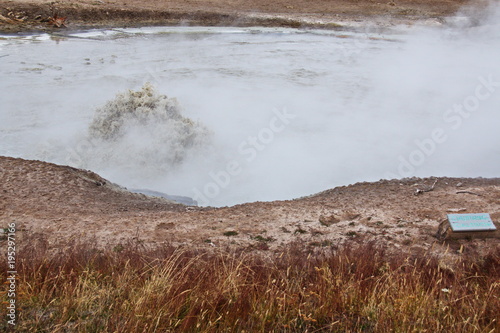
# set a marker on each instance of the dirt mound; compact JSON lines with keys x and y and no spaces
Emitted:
{"x":63,"y":204}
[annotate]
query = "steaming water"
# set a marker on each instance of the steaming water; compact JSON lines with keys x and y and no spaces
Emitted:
{"x":277,"y":113}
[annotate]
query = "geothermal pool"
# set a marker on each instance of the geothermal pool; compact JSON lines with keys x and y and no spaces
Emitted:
{"x":233,"y":115}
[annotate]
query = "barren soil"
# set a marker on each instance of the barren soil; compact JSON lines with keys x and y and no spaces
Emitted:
{"x":19,"y":15}
{"x":62,"y":206}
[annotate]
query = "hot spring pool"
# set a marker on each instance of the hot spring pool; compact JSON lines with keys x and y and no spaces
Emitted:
{"x":261,"y":114}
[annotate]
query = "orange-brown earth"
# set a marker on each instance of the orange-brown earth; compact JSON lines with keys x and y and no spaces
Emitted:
{"x":19,"y":15}
{"x":61,"y":205}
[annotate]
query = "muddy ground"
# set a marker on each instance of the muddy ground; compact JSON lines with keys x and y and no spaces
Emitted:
{"x":61,"y":206}
{"x":36,"y":15}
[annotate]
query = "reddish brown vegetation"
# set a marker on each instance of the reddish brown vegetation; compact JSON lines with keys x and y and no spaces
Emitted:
{"x":352,"y":289}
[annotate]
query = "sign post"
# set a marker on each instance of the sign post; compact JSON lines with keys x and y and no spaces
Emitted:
{"x":471,"y":226}
{"x":471,"y":222}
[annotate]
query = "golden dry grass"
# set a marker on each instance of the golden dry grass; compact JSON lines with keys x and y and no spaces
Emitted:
{"x":356,"y":288}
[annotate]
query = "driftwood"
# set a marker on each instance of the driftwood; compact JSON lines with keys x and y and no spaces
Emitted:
{"x":425,"y":189}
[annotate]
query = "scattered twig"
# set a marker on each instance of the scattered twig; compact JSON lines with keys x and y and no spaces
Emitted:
{"x":469,"y":192}
{"x":6,"y":19}
{"x":426,"y":189}
{"x":57,"y":21}
{"x":456,"y":210}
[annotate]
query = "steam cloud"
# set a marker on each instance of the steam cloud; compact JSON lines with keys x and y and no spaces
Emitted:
{"x":145,"y":127}
{"x":363,"y":106}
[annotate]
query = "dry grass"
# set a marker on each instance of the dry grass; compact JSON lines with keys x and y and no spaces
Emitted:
{"x":358,"y":288}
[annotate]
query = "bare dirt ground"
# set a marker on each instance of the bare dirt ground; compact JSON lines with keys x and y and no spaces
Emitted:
{"x":19,"y":15}
{"x":60,"y":206}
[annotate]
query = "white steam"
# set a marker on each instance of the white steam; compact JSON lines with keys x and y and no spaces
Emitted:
{"x":285,"y":113}
{"x":141,"y":133}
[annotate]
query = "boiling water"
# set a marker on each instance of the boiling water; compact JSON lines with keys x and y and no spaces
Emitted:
{"x":229,"y":115}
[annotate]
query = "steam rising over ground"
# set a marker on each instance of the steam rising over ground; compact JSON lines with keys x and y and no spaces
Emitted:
{"x":146,"y":127}
{"x":291,"y":112}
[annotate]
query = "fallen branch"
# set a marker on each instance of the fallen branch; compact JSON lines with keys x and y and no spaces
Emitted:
{"x":469,"y":192}
{"x":456,"y":210}
{"x":427,"y":189}
{"x":6,"y":20}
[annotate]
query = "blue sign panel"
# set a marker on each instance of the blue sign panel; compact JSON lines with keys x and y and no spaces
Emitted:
{"x":471,"y":222}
